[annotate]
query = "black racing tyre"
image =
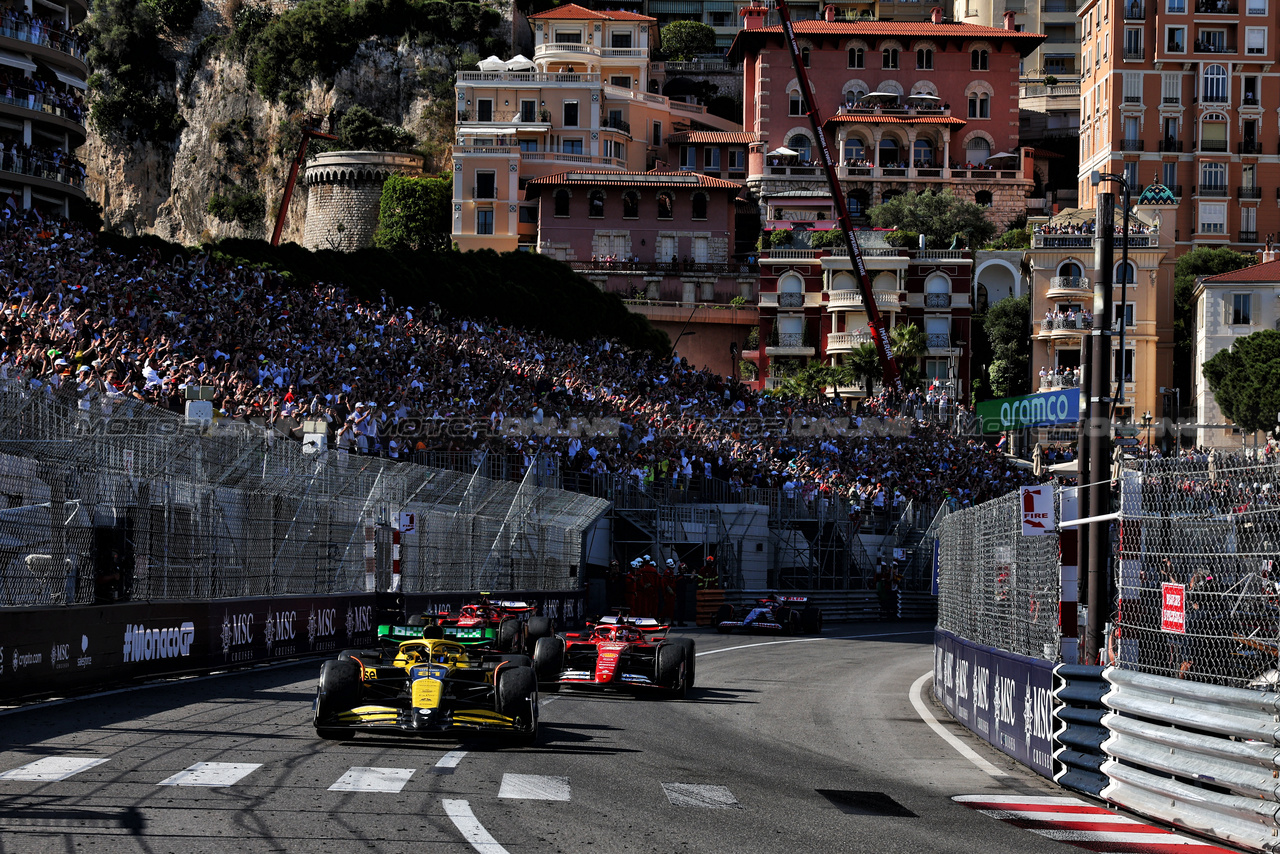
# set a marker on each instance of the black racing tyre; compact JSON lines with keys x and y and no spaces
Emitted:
{"x":432,"y":633}
{"x":415,"y":620}
{"x":723,"y":614}
{"x":785,"y":617}
{"x":513,"y":658}
{"x":538,"y":627}
{"x":811,"y":620}
{"x":509,"y":639}
{"x":548,"y":662}
{"x":670,"y":669}
{"x":339,"y":690}
{"x":690,"y":659}
{"x":516,"y":695}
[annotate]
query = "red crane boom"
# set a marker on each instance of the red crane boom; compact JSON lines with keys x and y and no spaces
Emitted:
{"x":298,"y":160}
{"x":875,"y":321}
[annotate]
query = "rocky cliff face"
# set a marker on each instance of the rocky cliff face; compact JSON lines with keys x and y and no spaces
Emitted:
{"x":234,"y":138}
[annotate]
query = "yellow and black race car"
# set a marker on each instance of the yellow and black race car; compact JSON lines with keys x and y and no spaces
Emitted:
{"x":425,"y":687}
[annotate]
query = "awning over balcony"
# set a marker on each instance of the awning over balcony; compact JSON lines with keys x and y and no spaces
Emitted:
{"x":16,"y":60}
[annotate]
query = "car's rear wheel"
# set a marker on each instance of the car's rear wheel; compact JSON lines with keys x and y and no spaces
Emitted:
{"x":786,"y":618}
{"x":670,"y":669}
{"x":811,"y":620}
{"x":367,"y":657}
{"x":690,"y":659}
{"x":723,"y":614}
{"x":548,"y":662}
{"x":516,"y":692}
{"x":339,"y":690}
{"x":509,"y":635}
{"x":538,"y":628}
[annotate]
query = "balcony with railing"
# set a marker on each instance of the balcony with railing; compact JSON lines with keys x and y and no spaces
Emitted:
{"x":1212,"y":47}
{"x":790,"y":300}
{"x":850,"y":299}
{"x":1077,"y":325}
{"x":616,"y":123}
{"x":625,"y":267}
{"x":1133,"y":54}
{"x":938,"y":340}
{"x":1134,"y":11}
{"x":1176,"y":189}
{"x":1215,"y":7}
{"x":789,"y":344}
{"x":1213,"y":146}
{"x":574,"y":158}
{"x":1132,"y":145}
{"x":1058,"y":6}
{"x":1063,"y":379}
{"x":1248,"y":237}
{"x":1069,"y":286}
{"x":1249,"y":146}
{"x":1062,"y":241}
{"x":481,"y":191}
{"x":1243,"y":193}
{"x":61,"y":175}
{"x":842,"y":341}
{"x":937,"y":300}
{"x":535,"y":77}
{"x":1171,"y":145}
{"x":1215,"y":191}
{"x":1249,"y":100}
{"x":61,"y":41}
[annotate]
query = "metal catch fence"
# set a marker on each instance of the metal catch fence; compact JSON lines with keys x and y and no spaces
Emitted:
{"x":995,"y":586}
{"x":1197,"y":579}
{"x":104,"y":498}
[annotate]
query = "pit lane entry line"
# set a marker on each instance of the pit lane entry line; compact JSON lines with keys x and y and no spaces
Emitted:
{"x":964,"y":750}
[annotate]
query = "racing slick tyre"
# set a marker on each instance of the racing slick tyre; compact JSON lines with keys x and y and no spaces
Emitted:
{"x":432,"y":633}
{"x":416,"y":620}
{"x":811,"y":620}
{"x":690,"y":659}
{"x":338,"y":691}
{"x":513,"y":658}
{"x":671,"y":669}
{"x":787,"y":619}
{"x":548,"y":662}
{"x":516,"y":694}
{"x":509,"y":636}
{"x":723,"y":614}
{"x":537,"y":628}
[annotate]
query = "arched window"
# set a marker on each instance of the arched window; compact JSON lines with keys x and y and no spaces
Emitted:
{"x":631,"y":205}
{"x":924,"y":59}
{"x":666,"y":206}
{"x":889,"y":153}
{"x":843,"y":282}
{"x":799,"y":143}
{"x":853,"y":150}
{"x":790,"y":284}
{"x":890,"y":58}
{"x":857,"y":203}
{"x":922,"y":154}
{"x":983,"y":198}
{"x":977,"y":150}
{"x":889,"y":195}
{"x":699,"y":205}
{"x":1213,"y":175}
{"x":980,"y":304}
{"x":937,"y":284}
{"x":1071,"y":270}
{"x":978,"y":60}
{"x":795,"y":102}
{"x":979,"y":106}
{"x":562,"y":203}
{"x":857,"y":57}
{"x":595,"y":204}
{"x":804,"y":56}
{"x":1126,"y":274}
{"x":1215,"y":84}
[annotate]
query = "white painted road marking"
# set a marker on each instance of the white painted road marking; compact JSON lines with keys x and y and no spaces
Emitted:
{"x":472,"y":830}
{"x":448,"y":762}
{"x":51,"y":768}
{"x":534,"y":787}
{"x":212,"y":774}
{"x":965,"y":750}
{"x":691,"y":795}
{"x":1086,"y":825}
{"x":362,"y":779}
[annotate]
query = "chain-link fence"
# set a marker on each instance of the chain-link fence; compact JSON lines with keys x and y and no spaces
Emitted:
{"x":1196,"y":573}
{"x":995,"y":586}
{"x":103,"y":498}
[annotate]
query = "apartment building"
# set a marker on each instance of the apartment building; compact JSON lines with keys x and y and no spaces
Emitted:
{"x":586,"y":100}
{"x":909,"y":106}
{"x":1179,"y":92}
{"x":1062,"y":282}
{"x":1058,"y":55}
{"x":812,"y":311}
{"x":42,"y":108}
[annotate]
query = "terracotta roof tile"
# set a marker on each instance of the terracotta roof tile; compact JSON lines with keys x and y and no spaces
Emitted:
{"x":1257,"y":274}
{"x":708,"y":136}
{"x":574,"y":12}
{"x":900,"y":120}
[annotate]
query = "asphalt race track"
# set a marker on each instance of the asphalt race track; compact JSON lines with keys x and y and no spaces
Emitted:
{"x":231,"y":763}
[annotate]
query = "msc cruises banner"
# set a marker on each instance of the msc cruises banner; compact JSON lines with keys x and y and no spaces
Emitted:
{"x":1031,"y":410}
{"x":566,"y":607}
{"x":1003,"y":697}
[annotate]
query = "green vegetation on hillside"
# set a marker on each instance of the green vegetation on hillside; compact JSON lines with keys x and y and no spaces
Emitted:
{"x":513,"y":289}
{"x":131,"y":79}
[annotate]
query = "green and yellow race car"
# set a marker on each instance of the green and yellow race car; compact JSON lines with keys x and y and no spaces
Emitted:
{"x":427,"y":686}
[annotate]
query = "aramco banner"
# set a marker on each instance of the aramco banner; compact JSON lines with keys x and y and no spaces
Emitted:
{"x":1030,"y":410}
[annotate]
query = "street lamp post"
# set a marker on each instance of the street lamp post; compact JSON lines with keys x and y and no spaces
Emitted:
{"x":1146,"y":422}
{"x":1097,"y":178}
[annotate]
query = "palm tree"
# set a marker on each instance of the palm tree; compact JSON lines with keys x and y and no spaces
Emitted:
{"x":909,"y":344}
{"x":863,"y":365}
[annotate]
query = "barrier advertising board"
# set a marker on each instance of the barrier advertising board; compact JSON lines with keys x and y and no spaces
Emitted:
{"x":1004,"y":698}
{"x":1031,"y":410}
{"x":566,"y":607}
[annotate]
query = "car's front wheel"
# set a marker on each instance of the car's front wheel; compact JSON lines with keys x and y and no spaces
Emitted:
{"x":339,"y":691}
{"x":516,"y":691}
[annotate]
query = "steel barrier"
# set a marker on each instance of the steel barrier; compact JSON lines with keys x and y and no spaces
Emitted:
{"x":1078,"y":757}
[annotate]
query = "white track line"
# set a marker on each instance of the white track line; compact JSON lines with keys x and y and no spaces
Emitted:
{"x":534,"y":787}
{"x":212,"y":774}
{"x":51,"y":769}
{"x":965,"y":750}
{"x":811,"y":640}
{"x":472,"y":830}
{"x":448,"y":762}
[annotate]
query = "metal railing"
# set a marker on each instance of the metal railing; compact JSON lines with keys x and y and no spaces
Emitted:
{"x":63,"y":42}
{"x":938,"y":340}
{"x":1248,"y":192}
{"x":1212,"y":190}
{"x":1072,"y":283}
{"x":790,"y":300}
{"x":937,"y":300}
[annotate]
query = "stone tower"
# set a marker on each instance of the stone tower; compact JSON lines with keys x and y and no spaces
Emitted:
{"x":344,"y":191}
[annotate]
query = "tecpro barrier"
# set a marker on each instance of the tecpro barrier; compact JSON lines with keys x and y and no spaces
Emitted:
{"x":1004,"y":698}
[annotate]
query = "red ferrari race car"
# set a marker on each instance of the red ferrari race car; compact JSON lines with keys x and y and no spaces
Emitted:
{"x":623,"y":653}
{"x":772,"y":614}
{"x":499,"y":625}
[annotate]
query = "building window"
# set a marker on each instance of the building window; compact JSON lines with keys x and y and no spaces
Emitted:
{"x":799,"y":143}
{"x":1177,"y":7}
{"x":924,"y":59}
{"x":699,"y":205}
{"x":1213,"y":175}
{"x":1256,"y":7}
{"x":1132,"y":43}
{"x":1249,"y":93}
{"x":983,"y":198}
{"x":1169,"y":175}
{"x":857,"y":57}
{"x":484,"y":222}
{"x":571,"y":114}
{"x":528,"y":145}
{"x":562,"y":203}
{"x":978,"y":60}
{"x":922,"y":154}
{"x":1240,"y":315}
{"x":657,"y":133}
{"x":1255,"y":40}
{"x":631,"y":205}
{"x":687,"y":153}
{"x":622,"y":39}
{"x":486,"y":186}
{"x":737,"y":160}
{"x":979,"y":106}
{"x":529,"y":214}
{"x":1125,"y":274}
{"x":856,"y":204}
{"x":1215,"y":84}
{"x":572,"y":146}
{"x":795,"y":102}
{"x":890,"y":58}
{"x":666,"y":206}
{"x":595,"y":204}
{"x":1213,"y":218}
{"x":711,"y":158}
{"x":528,"y":111}
{"x":977,"y":150}
{"x":484,"y":110}
{"x":853,"y":151}
{"x":568,"y":36}
{"x":1175,"y":39}
{"x":622,"y":81}
{"x":804,"y":56}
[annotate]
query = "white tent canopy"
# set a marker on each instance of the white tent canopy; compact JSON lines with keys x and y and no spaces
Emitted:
{"x":492,"y":63}
{"x":519,"y":62}
{"x":784,"y":152}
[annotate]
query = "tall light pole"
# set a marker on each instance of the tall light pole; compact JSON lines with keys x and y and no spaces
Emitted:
{"x":1097,"y":178}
